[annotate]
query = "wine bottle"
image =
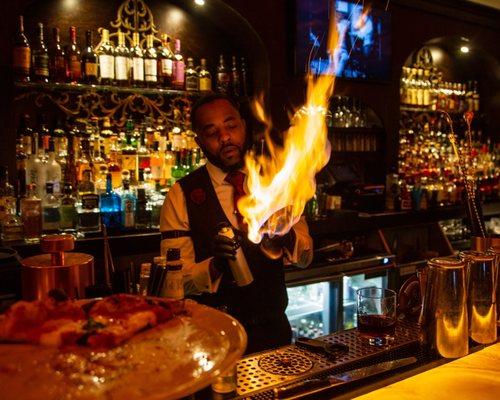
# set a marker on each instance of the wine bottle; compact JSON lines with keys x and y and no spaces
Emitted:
{"x":106,"y":59}
{"x":57,"y":65}
{"x":150,"y":63}
{"x":21,"y":54}
{"x":89,"y":60}
{"x":178,"y":73}
{"x":165,"y":63}
{"x":122,"y":61}
{"x":137,"y":61}
{"x":235,"y":79}
{"x":204,"y":77}
{"x":191,"y":76}
{"x":40,"y":55}
{"x":73,"y":58}
{"x":223,"y":78}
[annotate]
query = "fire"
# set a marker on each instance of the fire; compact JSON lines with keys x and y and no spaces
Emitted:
{"x":281,"y":182}
{"x":361,"y":21}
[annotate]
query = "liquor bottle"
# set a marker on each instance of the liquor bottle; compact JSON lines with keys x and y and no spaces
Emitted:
{"x":178,"y":72}
{"x":21,"y":159}
{"x":88,"y":213}
{"x":68,"y":211}
{"x":177,"y":169}
{"x":244,"y":78}
{"x":173,"y":287}
{"x":235,"y":79}
{"x":40,"y":167}
{"x":40,"y":58}
{"x":57,"y":59}
{"x":100,"y":182}
{"x":156,"y":161}
{"x":7,"y":195}
{"x":129,"y":159}
{"x":73,"y":58}
{"x":110,"y":206}
{"x":86,"y":185}
{"x":21,"y":54}
{"x":128,"y":206}
{"x":223,"y":77}
{"x":50,"y":210}
{"x":70,"y":174}
{"x":191,"y":76}
{"x":137,"y":61}
{"x":31,"y":215}
{"x":150,"y":63}
{"x":168,"y":164}
{"x":143,"y":154}
{"x":106,"y":59}
{"x":204,"y":77}
{"x":156,"y":202}
{"x":90,"y":60}
{"x":165,"y":63}
{"x":54,"y":173}
{"x":99,"y":161}
{"x":122,"y":62}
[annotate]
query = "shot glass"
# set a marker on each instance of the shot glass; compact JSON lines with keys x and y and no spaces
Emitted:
{"x":226,"y":382}
{"x":376,"y":315}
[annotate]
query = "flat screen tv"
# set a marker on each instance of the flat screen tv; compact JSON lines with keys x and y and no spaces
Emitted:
{"x":365,"y":49}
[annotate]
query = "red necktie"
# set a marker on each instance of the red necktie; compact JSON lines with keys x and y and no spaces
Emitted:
{"x":236,"y":179}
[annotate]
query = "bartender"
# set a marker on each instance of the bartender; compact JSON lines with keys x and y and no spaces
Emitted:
{"x":195,"y":207}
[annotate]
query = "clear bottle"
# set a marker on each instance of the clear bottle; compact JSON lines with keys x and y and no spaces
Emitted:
{"x":73,"y":58}
{"x":54,"y":173}
{"x":110,"y":206}
{"x":179,"y":67}
{"x":173,"y":286}
{"x":100,"y":182}
{"x":106,"y":59}
{"x":50,"y":210}
{"x":150,"y":63}
{"x":191,"y":76}
{"x":122,"y":62}
{"x":68,"y":210}
{"x":137,"y":55}
{"x":128,"y":206}
{"x":204,"y":77}
{"x":143,"y":210}
{"x":86,"y":185}
{"x":223,"y":77}
{"x":31,"y":215}
{"x":90,"y":60}
{"x":57,"y":62}
{"x":165,"y":63}
{"x":40,"y":58}
{"x":21,"y":54}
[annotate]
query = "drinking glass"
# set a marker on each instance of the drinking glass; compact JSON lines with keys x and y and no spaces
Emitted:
{"x":376,"y":315}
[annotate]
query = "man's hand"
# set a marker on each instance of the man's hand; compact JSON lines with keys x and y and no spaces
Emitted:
{"x":223,"y":249}
{"x":273,"y":247}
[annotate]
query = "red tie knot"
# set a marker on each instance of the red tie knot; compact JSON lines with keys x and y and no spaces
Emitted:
{"x":236,"y":179}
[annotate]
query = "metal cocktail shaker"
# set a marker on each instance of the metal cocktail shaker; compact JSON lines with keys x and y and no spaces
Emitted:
{"x":239,"y":267}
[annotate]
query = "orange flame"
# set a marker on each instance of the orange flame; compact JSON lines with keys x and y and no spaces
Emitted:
{"x":280,"y":184}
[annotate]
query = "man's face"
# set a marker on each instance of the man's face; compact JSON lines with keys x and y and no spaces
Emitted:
{"x":221,"y":134}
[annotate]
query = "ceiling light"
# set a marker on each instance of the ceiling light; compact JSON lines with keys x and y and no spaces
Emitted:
{"x":199,"y":2}
{"x":464,"y":49}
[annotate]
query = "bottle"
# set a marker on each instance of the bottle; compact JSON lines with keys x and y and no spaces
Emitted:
{"x":68,"y":210}
{"x":475,"y":98}
{"x":137,"y":61}
{"x":173,"y":287}
{"x":122,"y":62}
{"x":244,"y":78}
{"x":21,"y":54}
{"x":239,"y":266}
{"x":156,"y":201}
{"x":143,"y":210}
{"x":204,"y":77}
{"x":110,"y":206}
{"x":223,"y":78}
{"x":86,"y":185}
{"x":143,"y":154}
{"x":168,"y":164}
{"x":50,"y":210}
{"x":128,"y":206}
{"x":54,"y":173}
{"x":191,"y":76}
{"x":57,"y":59}
{"x":88,"y":213}
{"x":31,"y":215}
{"x":144,"y":275}
{"x":165,"y":63}
{"x":105,"y":53}
{"x":90,"y":60}
{"x":156,"y":161}
{"x":150,"y":63}
{"x":178,"y":71}
{"x":40,"y":58}
{"x":7,"y":195}
{"x":177,"y":169}
{"x":235,"y":79}
{"x":73,"y":58}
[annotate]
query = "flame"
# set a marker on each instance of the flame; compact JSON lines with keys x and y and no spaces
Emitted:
{"x":281,"y":182}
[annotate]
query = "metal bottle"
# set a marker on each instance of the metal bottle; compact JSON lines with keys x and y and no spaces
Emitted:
{"x":239,"y":267}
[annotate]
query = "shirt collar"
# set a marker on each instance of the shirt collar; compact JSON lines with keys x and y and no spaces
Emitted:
{"x":217,"y":175}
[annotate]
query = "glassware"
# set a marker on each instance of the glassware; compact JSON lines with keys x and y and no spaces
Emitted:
{"x":376,"y":315}
{"x":226,"y":382}
{"x":481,"y":295}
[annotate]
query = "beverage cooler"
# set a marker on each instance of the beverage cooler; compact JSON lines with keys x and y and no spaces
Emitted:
{"x":322,"y":298}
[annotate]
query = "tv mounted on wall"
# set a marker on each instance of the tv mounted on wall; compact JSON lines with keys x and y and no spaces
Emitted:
{"x":365,"y":50}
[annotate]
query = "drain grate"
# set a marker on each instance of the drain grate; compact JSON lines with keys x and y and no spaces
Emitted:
{"x":259,"y":373}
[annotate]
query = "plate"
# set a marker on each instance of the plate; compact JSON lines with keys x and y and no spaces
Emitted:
{"x":169,"y":361}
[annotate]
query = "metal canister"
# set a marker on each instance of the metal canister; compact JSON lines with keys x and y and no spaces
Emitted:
{"x":69,"y":272}
{"x":239,"y":267}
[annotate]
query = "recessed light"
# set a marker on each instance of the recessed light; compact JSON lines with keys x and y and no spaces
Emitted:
{"x":199,"y":2}
{"x":464,"y":49}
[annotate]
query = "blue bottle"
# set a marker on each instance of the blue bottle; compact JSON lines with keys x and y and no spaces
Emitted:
{"x":110,"y":206}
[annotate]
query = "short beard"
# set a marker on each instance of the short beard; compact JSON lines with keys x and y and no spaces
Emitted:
{"x":226,"y":168}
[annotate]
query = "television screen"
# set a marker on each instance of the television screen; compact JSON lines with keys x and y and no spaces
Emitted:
{"x":365,"y":49}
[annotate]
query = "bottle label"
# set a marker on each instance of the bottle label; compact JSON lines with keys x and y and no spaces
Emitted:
{"x":128,"y":211}
{"x":151,"y":70}
{"x":90,"y":201}
{"x":174,"y":286}
{"x":41,"y":64}
{"x":90,"y":69}
{"x":205,"y":84}
{"x":179,"y":72}
{"x":121,"y":68}
{"x":167,"y":67}
{"x":191,"y":83}
{"x":21,"y":59}
{"x":75,"y":67}
{"x":107,"y":66}
{"x":138,"y":69}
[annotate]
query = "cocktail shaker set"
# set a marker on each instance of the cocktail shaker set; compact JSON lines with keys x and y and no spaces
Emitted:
{"x":459,"y":301}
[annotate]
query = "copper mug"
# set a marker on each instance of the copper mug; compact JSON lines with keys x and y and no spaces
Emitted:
{"x":68,"y":272}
